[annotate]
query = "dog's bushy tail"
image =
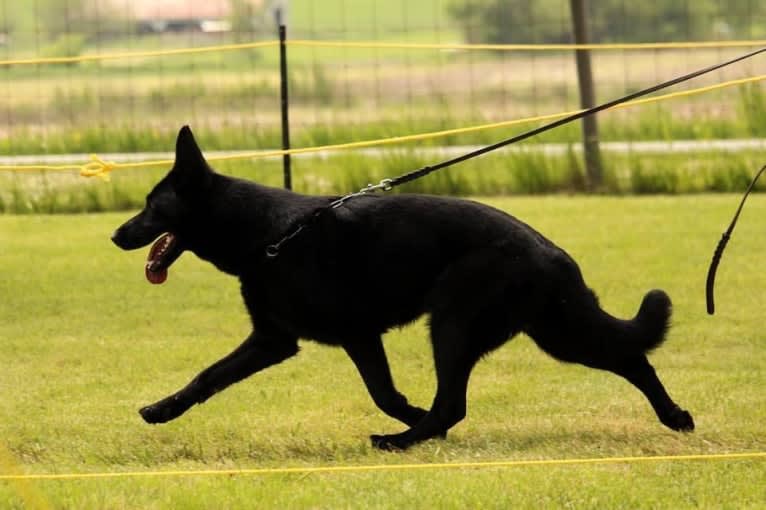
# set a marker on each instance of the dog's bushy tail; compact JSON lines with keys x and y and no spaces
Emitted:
{"x":585,"y":333}
{"x":640,"y":335}
{"x":653,"y":320}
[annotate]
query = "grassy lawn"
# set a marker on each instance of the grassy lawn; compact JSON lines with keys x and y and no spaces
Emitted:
{"x":85,"y":341}
{"x":523,"y":172}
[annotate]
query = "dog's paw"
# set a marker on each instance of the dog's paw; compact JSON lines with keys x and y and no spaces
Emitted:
{"x":389,"y":443}
{"x":154,"y":414}
{"x":163,"y":411}
{"x":399,"y":442}
{"x":679,"y":420}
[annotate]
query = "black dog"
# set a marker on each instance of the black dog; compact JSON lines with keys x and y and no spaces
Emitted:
{"x":379,"y":262}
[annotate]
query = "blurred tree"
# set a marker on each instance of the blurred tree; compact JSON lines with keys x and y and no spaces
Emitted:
{"x":50,"y":21}
{"x":522,"y":21}
{"x":58,"y":18}
{"x":242,"y":16}
{"x":511,"y":21}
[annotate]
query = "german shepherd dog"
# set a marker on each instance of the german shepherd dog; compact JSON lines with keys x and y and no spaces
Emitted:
{"x":378,"y":262}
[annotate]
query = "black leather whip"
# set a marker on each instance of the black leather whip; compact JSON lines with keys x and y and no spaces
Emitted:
{"x":710,"y":283}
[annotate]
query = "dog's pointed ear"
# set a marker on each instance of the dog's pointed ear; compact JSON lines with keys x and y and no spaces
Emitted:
{"x":190,"y":170}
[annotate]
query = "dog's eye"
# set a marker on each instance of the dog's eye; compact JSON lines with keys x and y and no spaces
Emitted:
{"x":151,"y":208}
{"x":158,"y":211}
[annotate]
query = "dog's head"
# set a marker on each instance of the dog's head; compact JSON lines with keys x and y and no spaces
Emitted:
{"x":168,"y":208}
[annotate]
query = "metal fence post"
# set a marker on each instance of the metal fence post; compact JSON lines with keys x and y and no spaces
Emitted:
{"x":593,"y":165}
{"x":283,"y":79}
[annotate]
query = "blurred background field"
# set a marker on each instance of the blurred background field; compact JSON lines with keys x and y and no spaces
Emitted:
{"x":343,"y":94}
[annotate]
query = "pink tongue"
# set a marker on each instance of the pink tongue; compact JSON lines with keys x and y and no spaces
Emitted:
{"x":155,"y":277}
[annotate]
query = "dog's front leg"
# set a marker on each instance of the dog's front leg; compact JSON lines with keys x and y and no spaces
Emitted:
{"x":370,"y":359}
{"x":259,"y":351}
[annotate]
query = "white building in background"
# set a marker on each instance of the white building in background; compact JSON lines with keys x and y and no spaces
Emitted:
{"x":159,"y":16}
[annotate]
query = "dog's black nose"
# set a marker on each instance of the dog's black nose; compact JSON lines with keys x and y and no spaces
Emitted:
{"x":116,"y":238}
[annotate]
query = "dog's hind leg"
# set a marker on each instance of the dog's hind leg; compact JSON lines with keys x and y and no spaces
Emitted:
{"x":639,"y":372}
{"x":469,"y":318}
{"x":259,"y":351}
{"x":454,"y":362}
{"x":370,"y":359}
{"x":584,"y":333}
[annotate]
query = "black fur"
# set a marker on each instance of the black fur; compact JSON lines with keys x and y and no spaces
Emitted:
{"x":379,"y":262}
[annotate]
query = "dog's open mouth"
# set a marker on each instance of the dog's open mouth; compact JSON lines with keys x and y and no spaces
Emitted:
{"x":163,"y":253}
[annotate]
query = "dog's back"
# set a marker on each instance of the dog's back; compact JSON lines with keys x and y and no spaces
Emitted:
{"x":387,"y":258}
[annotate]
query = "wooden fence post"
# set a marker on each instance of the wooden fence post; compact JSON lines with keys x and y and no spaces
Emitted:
{"x":593,"y":167}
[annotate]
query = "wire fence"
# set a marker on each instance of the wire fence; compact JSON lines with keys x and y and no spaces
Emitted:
{"x":97,"y":167}
{"x":358,"y":71}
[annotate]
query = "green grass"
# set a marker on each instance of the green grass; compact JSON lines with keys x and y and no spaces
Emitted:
{"x":368,"y":17}
{"x":86,"y":341}
{"x":526,"y":172}
{"x":339,"y":126}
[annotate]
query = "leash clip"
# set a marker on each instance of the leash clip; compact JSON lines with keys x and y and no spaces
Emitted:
{"x":384,"y":185}
{"x":273,"y":250}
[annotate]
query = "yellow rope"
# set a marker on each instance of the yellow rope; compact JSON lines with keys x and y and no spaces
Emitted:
{"x":526,"y":47}
{"x":28,"y":493}
{"x":98,"y":168}
{"x":137,"y":54}
{"x":389,"y":467}
{"x":378,"y":44}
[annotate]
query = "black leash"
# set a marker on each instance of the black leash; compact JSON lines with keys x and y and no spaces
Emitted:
{"x":273,"y":250}
{"x":710,"y":283}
